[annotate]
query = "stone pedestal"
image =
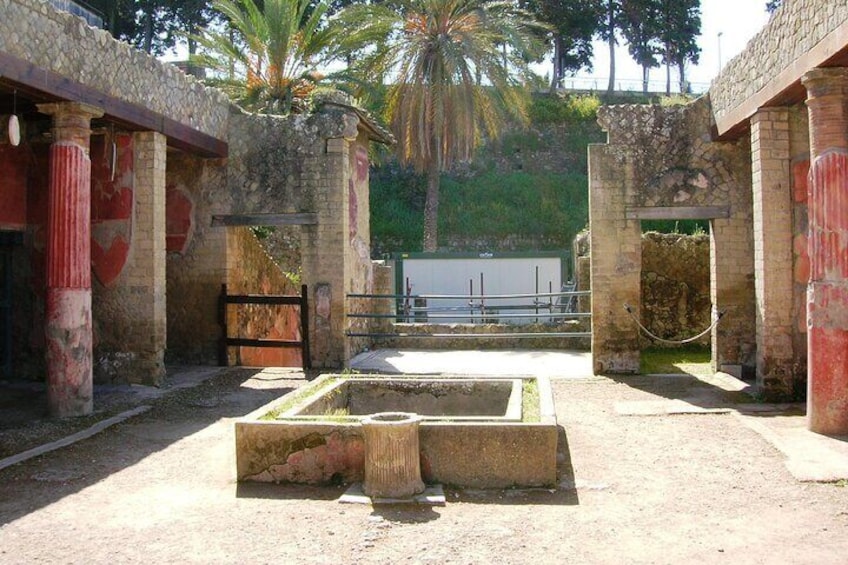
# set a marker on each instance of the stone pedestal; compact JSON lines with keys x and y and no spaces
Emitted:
{"x":392,"y":463}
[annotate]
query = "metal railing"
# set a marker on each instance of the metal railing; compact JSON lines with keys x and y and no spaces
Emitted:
{"x":551,"y":308}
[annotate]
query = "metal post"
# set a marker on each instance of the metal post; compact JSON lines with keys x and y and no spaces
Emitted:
{"x":471,"y":299}
{"x":306,"y":360}
{"x":482,"y":301}
{"x":222,"y":321}
{"x":536,"y":298}
{"x":406,"y":301}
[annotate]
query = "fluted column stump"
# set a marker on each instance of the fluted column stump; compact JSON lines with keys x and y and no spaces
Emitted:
{"x":392,"y":462}
{"x":827,"y":291}
{"x":68,"y":302}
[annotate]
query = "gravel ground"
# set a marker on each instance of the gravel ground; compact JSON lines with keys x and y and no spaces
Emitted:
{"x":160,"y":488}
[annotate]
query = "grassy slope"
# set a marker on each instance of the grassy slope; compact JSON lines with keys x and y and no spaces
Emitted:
{"x":484,"y":202}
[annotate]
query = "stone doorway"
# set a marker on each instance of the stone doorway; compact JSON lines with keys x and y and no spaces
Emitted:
{"x":9,"y":241}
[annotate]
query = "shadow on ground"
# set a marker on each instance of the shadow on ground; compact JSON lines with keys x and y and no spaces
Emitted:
{"x":173,"y":417}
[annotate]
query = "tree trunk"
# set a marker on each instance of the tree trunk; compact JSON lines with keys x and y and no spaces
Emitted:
{"x":667,"y":71}
{"x":192,"y":44}
{"x":431,"y":204}
{"x":681,"y":69}
{"x":557,"y":75}
{"x":611,"y":24}
{"x":645,"y":74}
{"x":148,"y":31}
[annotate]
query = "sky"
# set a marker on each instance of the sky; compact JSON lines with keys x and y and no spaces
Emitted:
{"x":737,"y":21}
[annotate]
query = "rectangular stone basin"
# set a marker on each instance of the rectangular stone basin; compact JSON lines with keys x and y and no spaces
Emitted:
{"x":476,"y":432}
{"x":457,"y":399}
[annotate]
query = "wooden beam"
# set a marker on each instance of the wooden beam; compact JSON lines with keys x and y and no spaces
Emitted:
{"x":57,"y":87}
{"x":295,"y":219}
{"x":274,"y":299}
{"x":676,"y":212}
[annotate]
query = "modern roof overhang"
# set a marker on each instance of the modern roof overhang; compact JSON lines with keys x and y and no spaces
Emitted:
{"x":23,"y":85}
{"x":785,"y":88}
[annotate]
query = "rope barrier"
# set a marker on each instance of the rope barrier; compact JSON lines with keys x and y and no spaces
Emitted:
{"x":718,"y":316}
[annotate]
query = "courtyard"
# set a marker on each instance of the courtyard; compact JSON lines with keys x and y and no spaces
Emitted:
{"x":651,"y":469}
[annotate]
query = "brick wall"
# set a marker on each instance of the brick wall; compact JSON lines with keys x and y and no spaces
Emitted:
{"x":313,"y":163}
{"x":664,"y":158}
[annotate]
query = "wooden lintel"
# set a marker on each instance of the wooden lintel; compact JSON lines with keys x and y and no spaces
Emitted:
{"x":295,"y":219}
{"x":57,"y":87}
{"x":676,"y":212}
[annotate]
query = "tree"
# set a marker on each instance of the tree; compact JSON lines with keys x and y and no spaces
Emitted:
{"x":190,"y":16}
{"x":274,"y":51}
{"x":573,"y":24}
{"x":154,"y":26}
{"x":609,"y":24}
{"x":680,"y":26}
{"x":641,"y":30}
{"x":435,"y":49}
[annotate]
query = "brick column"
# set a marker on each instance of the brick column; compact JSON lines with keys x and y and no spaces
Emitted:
{"x":772,"y":207}
{"x":733,"y":341}
{"x":827,"y":291}
{"x":616,"y":264}
{"x":324,"y":256}
{"x":68,"y":304}
{"x":146,"y":273}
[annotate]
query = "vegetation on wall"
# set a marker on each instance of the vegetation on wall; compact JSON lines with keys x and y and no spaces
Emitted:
{"x":531,"y":185}
{"x":528,"y":190}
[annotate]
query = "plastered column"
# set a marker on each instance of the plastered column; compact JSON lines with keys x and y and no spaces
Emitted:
{"x":68,"y":302}
{"x":772,"y":209}
{"x":827,"y":291}
{"x":616,"y":265}
{"x":146,"y":275}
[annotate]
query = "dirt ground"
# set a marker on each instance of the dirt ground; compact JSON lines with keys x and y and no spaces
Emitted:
{"x":160,"y":488}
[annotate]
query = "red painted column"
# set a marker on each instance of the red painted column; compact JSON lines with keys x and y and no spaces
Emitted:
{"x":827,"y":291}
{"x":68,"y":304}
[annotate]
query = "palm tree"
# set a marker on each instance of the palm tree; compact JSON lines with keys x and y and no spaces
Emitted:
{"x":451,"y":84}
{"x":274,"y":52}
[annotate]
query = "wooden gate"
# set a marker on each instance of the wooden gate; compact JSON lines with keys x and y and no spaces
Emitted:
{"x":301,"y":302}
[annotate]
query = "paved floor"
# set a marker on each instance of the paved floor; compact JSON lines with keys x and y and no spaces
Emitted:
{"x":549,"y":363}
{"x":810,"y":456}
{"x":649,"y":487}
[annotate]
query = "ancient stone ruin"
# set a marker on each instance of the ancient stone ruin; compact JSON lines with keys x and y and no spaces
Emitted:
{"x":762,"y":157}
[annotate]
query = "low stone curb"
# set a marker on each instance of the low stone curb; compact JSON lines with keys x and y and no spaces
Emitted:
{"x":73,"y":438}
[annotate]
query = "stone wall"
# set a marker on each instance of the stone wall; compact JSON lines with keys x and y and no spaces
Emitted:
{"x":660,"y":160}
{"x":482,"y":342}
{"x":793,"y":31}
{"x":540,"y":148}
{"x":196,"y":259}
{"x":313,"y":163}
{"x":34,"y":32}
{"x":675,"y":286}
